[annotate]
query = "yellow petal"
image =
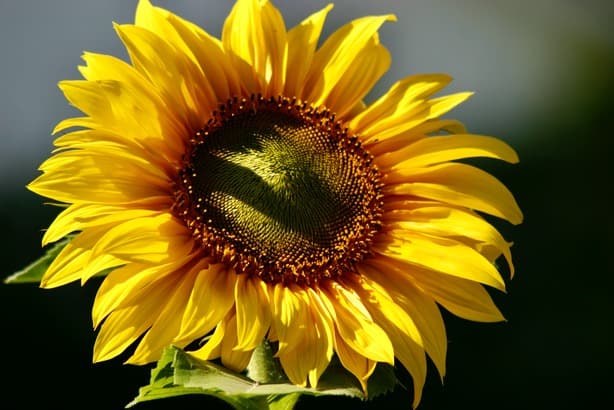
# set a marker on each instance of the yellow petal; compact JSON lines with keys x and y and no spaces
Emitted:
{"x":404,"y":99}
{"x":209,"y":57}
{"x":120,"y":330}
{"x":146,"y":240}
{"x":97,"y":265}
{"x":80,"y":122}
{"x":450,"y":222}
{"x":337,"y":56}
{"x":68,"y":266}
{"x":427,"y":317}
{"x":417,"y":114}
{"x":302,"y":43}
{"x":233,"y":358}
{"x":355,"y":325}
{"x":173,"y":30}
{"x":157,"y":168}
{"x":275,"y":48}
{"x":253,"y":313}
{"x":254,"y":34}
{"x":70,"y":177}
{"x":110,"y":159}
{"x":456,"y":184}
{"x":464,"y":298}
{"x":434,"y":150}
{"x":417,"y":132}
{"x":164,"y":329}
{"x":122,"y":327}
{"x":211,"y":298}
{"x":219,"y":81}
{"x":212,"y":349}
{"x":118,"y":285}
{"x":123,"y":87}
{"x":124,"y":285}
{"x":399,"y":326}
{"x":125,"y":107}
{"x":422,"y":310}
{"x":88,"y":96}
{"x":439,"y":254}
{"x":368,"y":67}
{"x":307,"y":334}
{"x":66,"y":222}
{"x":355,"y":363}
{"x":139,"y":106}
{"x":87,"y":136}
{"x":437,"y":125}
{"x":156,"y":20}
{"x":289,"y":316}
{"x":77,"y":217}
{"x":171,"y":73}
{"x":322,"y":337}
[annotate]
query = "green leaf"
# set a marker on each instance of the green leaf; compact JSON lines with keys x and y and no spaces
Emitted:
{"x":35,"y":271}
{"x":179,"y":373}
{"x":286,"y":402}
{"x":382,"y":381}
{"x":161,"y":382}
{"x":263,"y":367}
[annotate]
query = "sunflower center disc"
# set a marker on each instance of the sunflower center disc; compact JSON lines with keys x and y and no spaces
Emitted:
{"x":281,"y":190}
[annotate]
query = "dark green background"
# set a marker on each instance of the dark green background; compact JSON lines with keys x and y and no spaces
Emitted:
{"x":555,"y":350}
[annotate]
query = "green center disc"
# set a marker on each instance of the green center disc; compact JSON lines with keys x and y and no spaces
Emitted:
{"x":282,"y":193}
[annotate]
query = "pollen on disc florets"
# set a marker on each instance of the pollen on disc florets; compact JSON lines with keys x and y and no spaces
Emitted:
{"x":277,"y":188}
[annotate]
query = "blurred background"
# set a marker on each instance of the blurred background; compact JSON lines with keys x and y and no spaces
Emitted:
{"x":543,"y":76}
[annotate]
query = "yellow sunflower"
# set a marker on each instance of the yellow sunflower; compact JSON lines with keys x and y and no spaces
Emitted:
{"x":241,"y":190}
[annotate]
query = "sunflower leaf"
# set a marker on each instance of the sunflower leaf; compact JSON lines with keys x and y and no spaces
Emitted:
{"x":283,"y":402}
{"x":179,"y":373}
{"x":161,"y":382}
{"x":382,"y":381}
{"x":263,"y":367}
{"x":35,"y":271}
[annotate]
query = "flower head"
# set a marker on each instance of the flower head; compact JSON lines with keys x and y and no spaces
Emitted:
{"x":241,"y":189}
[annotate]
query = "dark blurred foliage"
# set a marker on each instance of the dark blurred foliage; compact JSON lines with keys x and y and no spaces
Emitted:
{"x":554,"y":351}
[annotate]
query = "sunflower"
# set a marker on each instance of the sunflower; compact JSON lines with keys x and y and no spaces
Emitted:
{"x":240,"y":190}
